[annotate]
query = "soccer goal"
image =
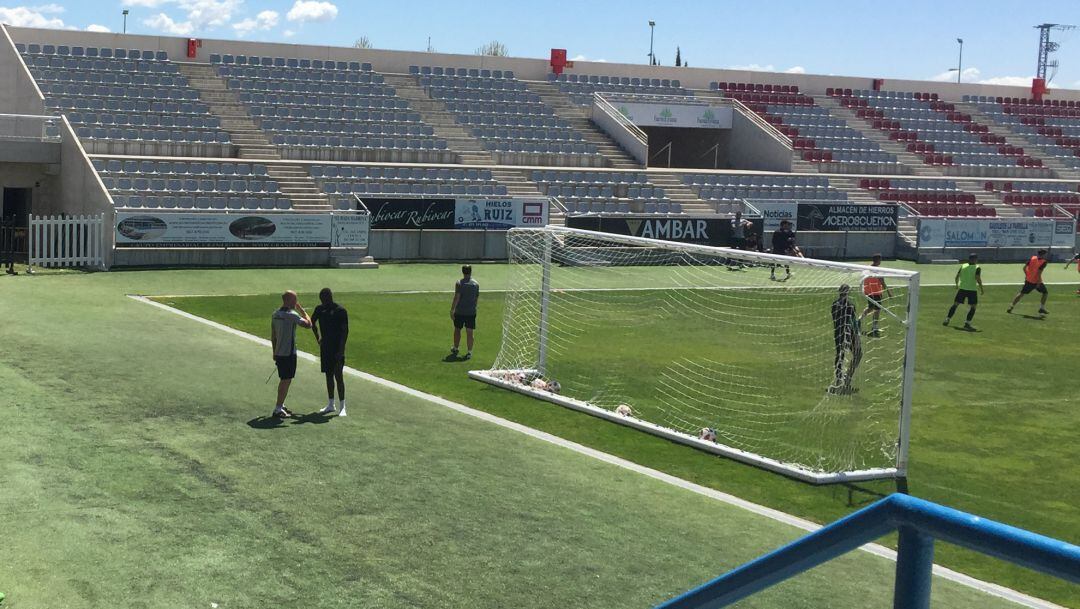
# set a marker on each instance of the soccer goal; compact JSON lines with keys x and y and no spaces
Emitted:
{"x":797,"y":365}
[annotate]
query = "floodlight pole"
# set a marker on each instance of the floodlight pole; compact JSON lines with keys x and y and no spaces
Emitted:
{"x":960,"y":61}
{"x":125,"y":14}
{"x":652,"y":30}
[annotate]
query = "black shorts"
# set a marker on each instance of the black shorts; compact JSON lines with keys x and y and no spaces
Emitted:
{"x":969,"y":296}
{"x":286,"y":366}
{"x":331,"y":361}
{"x":465,"y":321}
{"x":874,"y":301}
{"x":1033,"y":287}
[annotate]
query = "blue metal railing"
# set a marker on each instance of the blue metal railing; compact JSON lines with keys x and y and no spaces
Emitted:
{"x":919,"y":524}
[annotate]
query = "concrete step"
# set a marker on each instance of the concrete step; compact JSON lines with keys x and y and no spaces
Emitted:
{"x":1061,"y":170}
{"x":578,"y":118}
{"x":866,"y":128}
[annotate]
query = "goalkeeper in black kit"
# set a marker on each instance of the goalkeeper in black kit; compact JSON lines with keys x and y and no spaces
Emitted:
{"x":848,"y":341}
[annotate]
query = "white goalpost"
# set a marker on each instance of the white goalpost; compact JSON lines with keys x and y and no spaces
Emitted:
{"x":796,"y":365}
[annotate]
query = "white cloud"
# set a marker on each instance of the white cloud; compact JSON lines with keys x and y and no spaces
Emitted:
{"x":304,"y":11}
{"x":263,"y":21}
{"x":49,"y":8}
{"x":93,"y":27}
{"x":143,"y":3}
{"x":25,"y":16}
{"x":974,"y":75}
{"x":580,"y":57}
{"x":210,"y":13}
{"x":755,"y":67}
{"x":165,"y":23}
{"x":288,"y":33}
{"x":796,"y":70}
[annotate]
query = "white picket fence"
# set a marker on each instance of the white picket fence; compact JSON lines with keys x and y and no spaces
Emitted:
{"x":72,"y":241}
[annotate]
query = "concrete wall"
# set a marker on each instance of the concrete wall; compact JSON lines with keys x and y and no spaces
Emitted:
{"x":23,"y":151}
{"x":19,"y":94}
{"x":438,"y":245}
{"x":847,"y":245}
{"x":752,"y":147}
{"x":41,"y":178}
{"x":531,"y":69}
{"x":621,"y":134}
{"x":81,"y":190}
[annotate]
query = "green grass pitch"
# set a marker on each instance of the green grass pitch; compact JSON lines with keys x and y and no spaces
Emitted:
{"x":132,"y":479}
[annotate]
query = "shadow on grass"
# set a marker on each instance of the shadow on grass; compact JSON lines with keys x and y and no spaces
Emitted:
{"x":1035,"y":317}
{"x":269,"y":422}
{"x":963,"y":329}
{"x":266,"y":423}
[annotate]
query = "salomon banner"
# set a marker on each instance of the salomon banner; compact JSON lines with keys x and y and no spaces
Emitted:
{"x":449,"y":213}
{"x":145,"y":229}
{"x":846,"y":217}
{"x":500,"y":214}
{"x":957,"y":232}
{"x":702,"y":231}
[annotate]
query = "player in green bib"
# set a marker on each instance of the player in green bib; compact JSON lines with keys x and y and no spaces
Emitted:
{"x":968,"y":280}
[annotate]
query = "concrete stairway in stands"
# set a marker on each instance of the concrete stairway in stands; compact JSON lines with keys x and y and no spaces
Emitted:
{"x":434,"y":114}
{"x":988,"y":199}
{"x":578,"y":117}
{"x":250,"y":141}
{"x":908,"y":231}
{"x":909,"y":160}
{"x":1015,"y":139}
{"x":680,"y":193}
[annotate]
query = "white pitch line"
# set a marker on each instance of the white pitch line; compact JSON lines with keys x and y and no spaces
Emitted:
{"x":783,"y":517}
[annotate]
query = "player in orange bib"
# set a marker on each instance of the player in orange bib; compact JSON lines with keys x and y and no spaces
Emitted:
{"x":874,"y":289}
{"x":1075,"y":259}
{"x":1033,"y":271}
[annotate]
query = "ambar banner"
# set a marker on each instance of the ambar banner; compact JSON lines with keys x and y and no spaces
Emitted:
{"x":192,"y":229}
{"x":1041,"y":232}
{"x":675,"y":115}
{"x":449,"y":213}
{"x":846,"y":217}
{"x":703,"y":231}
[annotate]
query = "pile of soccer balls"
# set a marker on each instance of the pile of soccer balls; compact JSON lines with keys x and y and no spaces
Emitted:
{"x":530,"y":380}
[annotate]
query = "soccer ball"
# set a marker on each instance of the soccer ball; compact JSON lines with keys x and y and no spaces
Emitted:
{"x":708,"y":434}
{"x":553,"y":386}
{"x":624,"y":410}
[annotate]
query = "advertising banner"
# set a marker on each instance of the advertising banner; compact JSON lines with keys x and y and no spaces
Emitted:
{"x":193,"y":229}
{"x":775,"y":212}
{"x":821,"y":216}
{"x":674,"y":115}
{"x":449,"y":213}
{"x":702,"y":231}
{"x":1020,"y":232}
{"x":500,"y":214}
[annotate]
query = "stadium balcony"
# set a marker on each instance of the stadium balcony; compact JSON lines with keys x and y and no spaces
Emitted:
{"x":1052,"y":125}
{"x":188,"y":185}
{"x":581,"y":87}
{"x":933,"y":197}
{"x":126,"y":101}
{"x":816,"y":135}
{"x":590,"y":192}
{"x":340,"y":182}
{"x":940,"y":134}
{"x":329,"y":111}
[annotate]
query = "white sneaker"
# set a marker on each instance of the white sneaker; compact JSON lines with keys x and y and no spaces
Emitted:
{"x":329,"y":409}
{"x":342,"y":413}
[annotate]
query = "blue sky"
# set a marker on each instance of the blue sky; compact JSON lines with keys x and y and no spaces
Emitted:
{"x":913,"y":39}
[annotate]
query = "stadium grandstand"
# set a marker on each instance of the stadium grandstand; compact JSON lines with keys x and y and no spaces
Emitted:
{"x":137,"y":123}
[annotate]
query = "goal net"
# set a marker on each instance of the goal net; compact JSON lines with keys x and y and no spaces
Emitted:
{"x":797,"y":365}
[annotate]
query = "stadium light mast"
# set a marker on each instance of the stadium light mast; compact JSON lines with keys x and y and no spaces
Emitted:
{"x":1046,"y":47}
{"x":652,"y":56}
{"x":960,"y":60}
{"x":125,"y":14}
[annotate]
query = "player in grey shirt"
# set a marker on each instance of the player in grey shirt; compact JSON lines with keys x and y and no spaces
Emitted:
{"x":463,"y":310}
{"x":283,"y":339}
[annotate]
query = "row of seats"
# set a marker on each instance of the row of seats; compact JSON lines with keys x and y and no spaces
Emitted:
{"x":103,"y":52}
{"x":609,"y":191}
{"x":1019,"y":101}
{"x":1054,"y":128}
{"x":179,"y":168}
{"x":110,"y":78}
{"x":148,"y":119}
{"x":303,"y":86}
{"x":630,"y":81}
{"x":288,"y":62}
{"x":322,"y":101}
{"x":907,"y":184}
{"x":770,"y":181}
{"x":1034,"y":187}
{"x":81,"y":65}
{"x":189,"y":136}
{"x":419,"y":174}
{"x":286,"y":126}
{"x":754,"y":87}
{"x":1040,"y":199}
{"x":333,"y":114}
{"x":732,"y":193}
{"x":190,"y":185}
{"x":414,"y":188}
{"x":953,"y":211}
{"x":510,"y":120}
{"x":176,"y":93}
{"x":589,"y":177}
{"x":458,"y":82}
{"x":352,"y":142}
{"x":468,"y":72}
{"x":237,"y":202}
{"x":300,"y":74}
